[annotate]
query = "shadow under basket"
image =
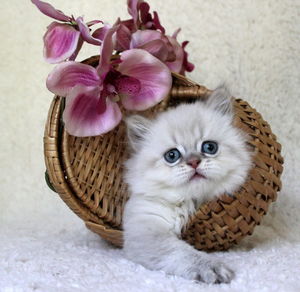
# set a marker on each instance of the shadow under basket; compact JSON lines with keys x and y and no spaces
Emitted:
{"x":87,"y":174}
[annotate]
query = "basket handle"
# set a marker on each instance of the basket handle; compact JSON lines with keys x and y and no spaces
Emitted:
{"x":195,"y":91}
{"x":59,"y":137}
{"x":183,"y":87}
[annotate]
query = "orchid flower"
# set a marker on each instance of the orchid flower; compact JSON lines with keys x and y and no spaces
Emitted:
{"x":165,"y":48}
{"x":142,"y":19}
{"x":150,"y":36}
{"x":64,"y":39}
{"x":134,"y":70}
{"x":137,"y":80}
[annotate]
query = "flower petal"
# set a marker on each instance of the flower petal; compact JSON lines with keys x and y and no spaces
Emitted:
{"x":157,"y":48}
{"x":128,"y":86}
{"x":154,"y":42}
{"x":186,"y":66}
{"x":85,"y":33}
{"x":171,"y":50}
{"x":67,"y":75}
{"x":153,"y":75}
{"x":83,"y":118}
{"x":176,"y":32}
{"x":75,"y":54}
{"x":176,"y":65}
{"x":129,"y":23}
{"x":146,"y":17}
{"x":106,"y":52}
{"x":157,"y":23}
{"x":142,"y":37}
{"x":132,"y":7}
{"x":60,"y":42}
{"x":123,"y":36}
{"x":93,"y":22}
{"x":101,"y":32}
{"x":50,"y":11}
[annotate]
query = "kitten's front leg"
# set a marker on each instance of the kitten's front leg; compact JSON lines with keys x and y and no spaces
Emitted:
{"x":149,"y":241}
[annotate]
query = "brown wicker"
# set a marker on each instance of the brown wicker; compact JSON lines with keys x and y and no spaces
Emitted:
{"x":87,"y":174}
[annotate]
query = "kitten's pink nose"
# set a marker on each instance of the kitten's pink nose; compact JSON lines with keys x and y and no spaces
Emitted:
{"x":193,"y":162}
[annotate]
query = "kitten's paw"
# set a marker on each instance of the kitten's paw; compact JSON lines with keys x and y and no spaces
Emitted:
{"x":215,"y":273}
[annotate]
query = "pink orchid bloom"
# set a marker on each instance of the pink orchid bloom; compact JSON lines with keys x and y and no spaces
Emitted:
{"x":142,"y":19}
{"x":63,"y":41}
{"x":149,"y":35}
{"x":165,"y":48}
{"x":137,"y":80}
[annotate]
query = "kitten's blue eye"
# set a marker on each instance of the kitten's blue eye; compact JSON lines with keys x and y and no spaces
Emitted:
{"x":172,"y":155}
{"x":209,"y":147}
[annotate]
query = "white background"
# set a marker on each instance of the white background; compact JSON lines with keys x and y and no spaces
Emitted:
{"x":253,"y":46}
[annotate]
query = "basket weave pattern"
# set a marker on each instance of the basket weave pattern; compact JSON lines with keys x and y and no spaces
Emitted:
{"x":87,"y":174}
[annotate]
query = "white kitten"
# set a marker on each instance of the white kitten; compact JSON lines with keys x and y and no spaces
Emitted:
{"x":187,"y":155}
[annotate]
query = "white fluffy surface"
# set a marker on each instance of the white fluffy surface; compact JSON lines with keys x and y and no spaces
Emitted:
{"x":251,"y":45}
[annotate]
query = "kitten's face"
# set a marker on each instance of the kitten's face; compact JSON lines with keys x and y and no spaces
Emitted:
{"x":192,"y":164}
{"x":193,"y":149}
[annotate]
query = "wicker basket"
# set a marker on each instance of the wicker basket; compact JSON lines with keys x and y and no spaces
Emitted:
{"x":87,"y":174}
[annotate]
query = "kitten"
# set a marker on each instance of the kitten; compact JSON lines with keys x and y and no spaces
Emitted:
{"x":187,"y":155}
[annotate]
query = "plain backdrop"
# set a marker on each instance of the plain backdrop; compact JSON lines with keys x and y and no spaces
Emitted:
{"x":253,"y":46}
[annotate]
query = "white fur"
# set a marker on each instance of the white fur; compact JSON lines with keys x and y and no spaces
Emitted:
{"x":163,"y":196}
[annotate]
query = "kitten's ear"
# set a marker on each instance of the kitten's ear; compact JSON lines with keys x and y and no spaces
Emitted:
{"x":137,"y":128}
{"x":221,"y":100}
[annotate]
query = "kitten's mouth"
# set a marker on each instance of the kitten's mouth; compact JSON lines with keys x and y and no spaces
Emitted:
{"x":197,"y":176}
